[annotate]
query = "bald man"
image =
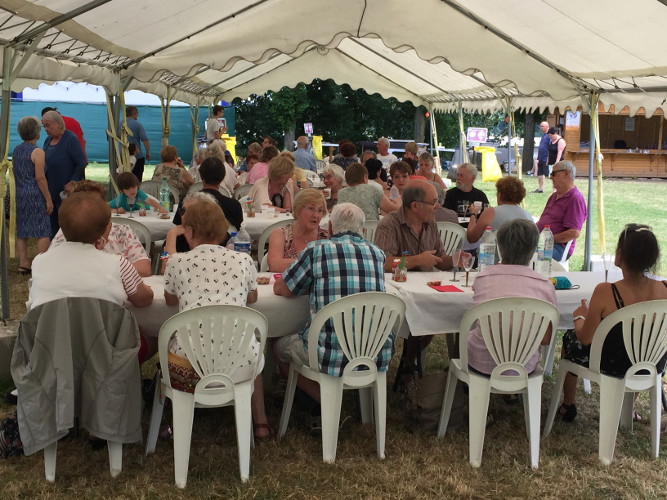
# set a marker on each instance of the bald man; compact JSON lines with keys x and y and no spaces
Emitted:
{"x":302,"y":157}
{"x":543,"y":157}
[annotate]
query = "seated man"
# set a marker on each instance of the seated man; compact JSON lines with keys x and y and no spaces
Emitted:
{"x":464,"y":189}
{"x":565,"y":211}
{"x":77,"y":267}
{"x":330,"y":269}
{"x":412,"y":229}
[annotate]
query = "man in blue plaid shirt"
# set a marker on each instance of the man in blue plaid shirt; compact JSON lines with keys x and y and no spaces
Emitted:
{"x":330,"y":269}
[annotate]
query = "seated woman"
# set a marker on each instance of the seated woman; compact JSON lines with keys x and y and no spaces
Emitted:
{"x":172,"y":168}
{"x":333,"y":177}
{"x":121,"y":240}
{"x":347,"y":154}
{"x":286,"y":242}
{"x":204,"y":226}
{"x":426,"y":162}
{"x":261,"y":168}
{"x":277,"y":188}
{"x":509,"y":193}
{"x":637,"y":253}
{"x":517,"y":239}
{"x":218,"y":149}
{"x":362,"y":194}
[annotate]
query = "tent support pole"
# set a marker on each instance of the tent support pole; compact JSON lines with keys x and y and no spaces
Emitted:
{"x":165,"y":104}
{"x":7,"y":57}
{"x":194,"y":117}
{"x":462,"y":137}
{"x":591,"y":163}
{"x":434,"y":137}
{"x":508,"y":107}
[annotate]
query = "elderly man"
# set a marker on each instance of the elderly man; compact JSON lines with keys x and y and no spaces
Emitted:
{"x":302,"y":157}
{"x":384,"y":155}
{"x":464,"y":189}
{"x":543,"y":157}
{"x":77,"y":267}
{"x":137,"y":138}
{"x":327,"y":270}
{"x":565,"y":211}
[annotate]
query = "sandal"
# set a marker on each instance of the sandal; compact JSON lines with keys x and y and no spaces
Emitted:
{"x":636,"y":417}
{"x":266,"y":437}
{"x":568,"y":412}
{"x":25,"y":270}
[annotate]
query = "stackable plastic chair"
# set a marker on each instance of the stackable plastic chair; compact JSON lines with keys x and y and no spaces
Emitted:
{"x":370,"y":226}
{"x":362,"y":322}
{"x":227,"y":332}
{"x":196,"y":187}
{"x":645,"y":338}
{"x":512,"y":329}
{"x":264,"y":237}
{"x":242,"y":191}
{"x":153,"y":188}
{"x":142,"y":232}
{"x":451,"y":234}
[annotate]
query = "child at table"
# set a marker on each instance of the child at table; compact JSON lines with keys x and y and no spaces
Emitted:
{"x":128,"y":185}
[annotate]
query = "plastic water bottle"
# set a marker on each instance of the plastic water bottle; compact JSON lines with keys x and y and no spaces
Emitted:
{"x":394,"y":193}
{"x":242,"y":240}
{"x":164,"y":194}
{"x":545,"y":250}
{"x":230,"y":241}
{"x":487,"y":249}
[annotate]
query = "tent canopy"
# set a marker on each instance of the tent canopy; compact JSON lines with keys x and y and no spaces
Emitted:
{"x":539,"y":53}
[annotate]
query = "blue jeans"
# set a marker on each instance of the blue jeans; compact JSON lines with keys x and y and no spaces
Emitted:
{"x":558,"y":251}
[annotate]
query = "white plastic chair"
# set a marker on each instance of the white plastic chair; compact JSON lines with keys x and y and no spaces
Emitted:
{"x":564,"y":262}
{"x":645,"y":338}
{"x":266,"y":234}
{"x":242,"y":191}
{"x":362,"y":323}
{"x":224,"y":190}
{"x":153,"y":188}
{"x":451,"y":234}
{"x":139,"y":229}
{"x":321,"y":165}
{"x":227,"y":330}
{"x":370,"y":226}
{"x":512,"y":329}
{"x":196,"y":187}
{"x":313,"y":177}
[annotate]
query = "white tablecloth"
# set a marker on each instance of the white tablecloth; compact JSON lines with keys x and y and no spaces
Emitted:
{"x":429,"y":312}
{"x":158,"y":227}
{"x":285,"y":316}
{"x":257,"y":224}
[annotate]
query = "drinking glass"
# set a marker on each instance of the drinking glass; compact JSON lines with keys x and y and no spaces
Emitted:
{"x":466,"y":260}
{"x":466,"y":207}
{"x":461,"y":210}
{"x":606,"y":261}
{"x":456,"y":256}
{"x":130,"y":202}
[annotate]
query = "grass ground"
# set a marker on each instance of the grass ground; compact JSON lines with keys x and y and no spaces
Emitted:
{"x":416,"y":466}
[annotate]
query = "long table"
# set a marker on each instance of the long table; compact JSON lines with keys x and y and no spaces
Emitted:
{"x":156,"y":226}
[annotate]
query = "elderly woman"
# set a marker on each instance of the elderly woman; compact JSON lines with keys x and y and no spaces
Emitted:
{"x":517,"y":241}
{"x":286,"y":242}
{"x":347,"y":156}
{"x":333,"y":177}
{"x":188,"y":288}
{"x":64,"y":159}
{"x":121,"y":240}
{"x":261,"y":168}
{"x":218,"y":149}
{"x":277,"y":188}
{"x":637,"y":253}
{"x":365,"y":195}
{"x":509,"y":193}
{"x":197,"y":159}
{"x":172,"y":168}
{"x":33,"y":201}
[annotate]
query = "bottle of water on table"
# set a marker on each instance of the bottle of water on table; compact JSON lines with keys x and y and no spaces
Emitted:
{"x":242,"y":240}
{"x":230,"y":241}
{"x":545,"y":250}
{"x":164,"y":194}
{"x":487,"y":249}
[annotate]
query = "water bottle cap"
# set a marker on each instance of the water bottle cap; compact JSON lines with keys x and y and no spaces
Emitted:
{"x":547,"y":226}
{"x":488,"y":228}
{"x":233,"y":233}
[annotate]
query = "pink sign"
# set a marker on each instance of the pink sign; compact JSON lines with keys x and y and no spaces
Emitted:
{"x":477,"y":134}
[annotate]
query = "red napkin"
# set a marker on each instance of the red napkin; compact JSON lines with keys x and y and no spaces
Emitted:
{"x":446,"y":288}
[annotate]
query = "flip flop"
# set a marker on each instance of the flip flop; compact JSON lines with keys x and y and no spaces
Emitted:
{"x":25,"y":270}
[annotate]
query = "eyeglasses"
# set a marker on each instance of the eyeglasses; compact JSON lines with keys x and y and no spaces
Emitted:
{"x":554,"y":172}
{"x":311,"y":209}
{"x":432,"y":203}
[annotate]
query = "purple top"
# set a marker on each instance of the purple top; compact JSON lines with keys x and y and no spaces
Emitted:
{"x":566,"y":212}
{"x":543,"y":148}
{"x":492,"y":284}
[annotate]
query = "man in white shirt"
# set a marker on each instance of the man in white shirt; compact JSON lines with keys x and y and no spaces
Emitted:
{"x":384,"y":155}
{"x":213,"y":128}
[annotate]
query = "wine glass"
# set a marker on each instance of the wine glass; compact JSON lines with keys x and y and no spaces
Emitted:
{"x":130,"y":202}
{"x":461,"y":210}
{"x":466,"y":260}
{"x":606,"y":261}
{"x":456,"y":257}
{"x":466,"y":208}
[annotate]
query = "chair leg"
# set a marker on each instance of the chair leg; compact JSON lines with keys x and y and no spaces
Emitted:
{"x":50,"y":453}
{"x":532,"y":404}
{"x":478,"y":407}
{"x":115,"y":457}
{"x":183,"y":408}
{"x":656,"y":415}
{"x":331,"y":395}
{"x":289,"y":400}
{"x":270,"y":365}
{"x":401,"y":362}
{"x":587,"y":386}
{"x":156,"y":419}
{"x":366,"y":404}
{"x":555,"y":398}
{"x":243,"y":416}
{"x":448,"y":400}
{"x":380,"y":407}
{"x":625,"y":421}
{"x":550,"y":351}
{"x":612,"y":392}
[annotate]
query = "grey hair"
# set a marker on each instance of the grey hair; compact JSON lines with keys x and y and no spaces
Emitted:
{"x":383,"y":140}
{"x":255,"y":147}
{"x":29,"y":127}
{"x":200,"y":154}
{"x":517,"y":241}
{"x":302,"y":141}
{"x":336,"y":171}
{"x":472,"y":169}
{"x":200,"y":196}
{"x":347,"y":217}
{"x":567,"y":164}
{"x":54,"y":117}
{"x":412,"y":193}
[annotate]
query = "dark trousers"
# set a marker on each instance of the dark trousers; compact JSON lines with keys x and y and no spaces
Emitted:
{"x":138,"y":169}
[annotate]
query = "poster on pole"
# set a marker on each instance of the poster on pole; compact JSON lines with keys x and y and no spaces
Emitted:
{"x":308,"y":128}
{"x":476,"y":134}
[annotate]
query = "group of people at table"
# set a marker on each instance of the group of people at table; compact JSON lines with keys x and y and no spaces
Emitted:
{"x":91,"y":256}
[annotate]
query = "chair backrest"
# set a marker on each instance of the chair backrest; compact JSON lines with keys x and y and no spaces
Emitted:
{"x":225,"y":191}
{"x":644,"y":334}
{"x":564,"y":262}
{"x":142,"y":232}
{"x":451,"y":234}
{"x":369,"y":229}
{"x":196,"y":187}
{"x":361,"y":322}
{"x":264,"y":237}
{"x":214,"y":338}
{"x":312,"y":176}
{"x":321,"y":165}
{"x":512,"y":329}
{"x":153,"y":188}
{"x":242,"y":191}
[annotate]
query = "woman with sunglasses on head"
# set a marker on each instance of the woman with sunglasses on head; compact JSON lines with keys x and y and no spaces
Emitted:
{"x":637,"y":253}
